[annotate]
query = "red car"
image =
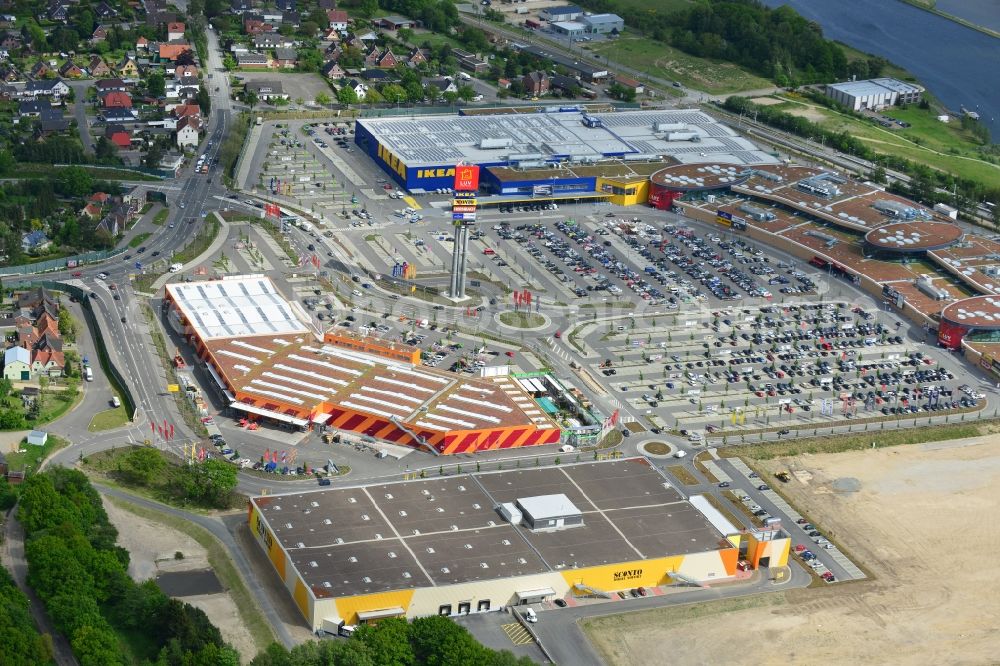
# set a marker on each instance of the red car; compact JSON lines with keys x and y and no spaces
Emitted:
{"x":558,"y":335}
{"x":77,"y":274}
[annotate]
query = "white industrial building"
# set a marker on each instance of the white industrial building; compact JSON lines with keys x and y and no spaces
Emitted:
{"x":874,"y":94}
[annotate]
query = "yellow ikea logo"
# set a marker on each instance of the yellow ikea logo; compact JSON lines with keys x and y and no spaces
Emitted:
{"x":436,"y":173}
{"x":394,"y":162}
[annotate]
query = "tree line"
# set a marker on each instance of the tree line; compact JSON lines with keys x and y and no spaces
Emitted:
{"x":20,"y":642}
{"x":80,"y":574}
{"x":778,"y":44}
{"x":434,"y":640}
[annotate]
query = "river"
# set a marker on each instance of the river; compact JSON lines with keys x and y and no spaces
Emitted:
{"x":957,"y":64}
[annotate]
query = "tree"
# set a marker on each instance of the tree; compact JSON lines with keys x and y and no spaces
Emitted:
{"x":204,"y":101}
{"x":466,"y":93}
{"x":347,"y":96}
{"x":250,"y":98}
{"x":155,"y":84}
{"x":210,"y":482}
{"x":67,"y":325}
{"x":105,"y":149}
{"x":229,"y":63}
{"x":322,"y":99}
{"x":74,"y":181}
{"x":393,"y":93}
{"x":142,"y":465}
{"x":405,"y":35}
{"x":438,"y":640}
{"x":388,"y":642}
{"x":450,"y":97}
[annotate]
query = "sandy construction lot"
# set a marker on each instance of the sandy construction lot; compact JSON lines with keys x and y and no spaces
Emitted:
{"x":922,"y":521}
{"x":151,"y":548}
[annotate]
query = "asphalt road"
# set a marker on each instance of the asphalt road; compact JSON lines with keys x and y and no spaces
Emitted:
{"x":80,"y":114}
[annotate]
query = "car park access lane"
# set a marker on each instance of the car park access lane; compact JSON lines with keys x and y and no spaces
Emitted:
{"x":834,"y":560}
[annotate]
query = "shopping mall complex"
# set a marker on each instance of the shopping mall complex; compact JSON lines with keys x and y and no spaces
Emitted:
{"x":916,"y":259}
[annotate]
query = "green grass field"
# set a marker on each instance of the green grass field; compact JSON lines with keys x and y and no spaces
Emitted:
{"x":161,"y":217}
{"x":139,"y":239}
{"x":108,"y":419}
{"x":656,"y":59}
{"x":944,"y":146}
{"x":33,"y":455}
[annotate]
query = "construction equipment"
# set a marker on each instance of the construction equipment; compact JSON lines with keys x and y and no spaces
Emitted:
{"x":783,"y":476}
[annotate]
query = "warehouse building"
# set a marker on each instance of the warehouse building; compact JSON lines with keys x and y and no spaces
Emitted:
{"x":421,"y":153}
{"x":603,"y":24}
{"x":269,"y":366}
{"x":480,"y":542}
{"x":874,"y":94}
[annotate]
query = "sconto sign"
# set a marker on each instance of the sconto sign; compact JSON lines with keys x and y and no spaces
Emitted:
{"x":627,"y":574}
{"x":466,"y":178}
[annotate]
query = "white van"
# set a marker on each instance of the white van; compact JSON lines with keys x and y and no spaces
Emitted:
{"x":174,"y":268}
{"x":680,"y":454}
{"x":115,"y":402}
{"x":530,"y":616}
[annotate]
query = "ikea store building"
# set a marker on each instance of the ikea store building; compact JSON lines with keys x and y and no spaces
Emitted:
{"x":553,"y":153}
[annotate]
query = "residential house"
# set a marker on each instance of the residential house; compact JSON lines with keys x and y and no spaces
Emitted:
{"x":142,"y":44}
{"x":99,"y":35}
{"x":253,"y":60}
{"x":503,"y":83}
{"x":97,"y":67}
{"x":326,"y":5}
{"x":54,"y":88}
{"x":360,"y":89}
{"x":393,"y":22}
{"x":118,"y":115}
{"x":3,"y":461}
{"x":387,"y":60}
{"x":267,"y":90}
{"x":285,"y":58}
{"x":17,"y":364}
{"x":377,"y":75}
{"x":631,"y":84}
{"x":332,"y":70}
{"x":175,"y":32}
{"x":57,"y":12}
{"x":563,"y":83}
{"x":110,"y":85}
{"x":105,"y":11}
{"x":254,"y":25}
{"x":188,"y":129}
{"x":286,"y":5}
{"x":70,"y":70}
{"x":272,"y":40}
{"x":338,"y":19}
{"x":238,"y":48}
{"x":119,"y":218}
{"x":535,"y":83}
{"x":39,"y":70}
{"x":128,"y":68}
{"x":272,"y":16}
{"x":32,"y":108}
{"x":118,"y":135}
{"x":10,"y":41}
{"x":99,"y":198}
{"x":171,"y":52}
{"x":116,"y":100}
{"x":240,"y":6}
{"x":293,"y":19}
{"x":372,"y":57}
{"x":444,"y":84}
{"x":47,"y":362}
{"x":91,"y":211}
{"x":416,"y":57}
{"x":34,"y":241}
{"x":37,"y":438}
{"x":53,"y":120}
{"x":36,"y":302}
{"x":184,"y":110}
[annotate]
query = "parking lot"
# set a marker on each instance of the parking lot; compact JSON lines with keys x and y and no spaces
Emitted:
{"x":732,"y":370}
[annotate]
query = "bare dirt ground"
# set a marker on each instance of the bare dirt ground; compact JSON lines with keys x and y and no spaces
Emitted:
{"x":808,"y":112}
{"x":151,"y":548}
{"x":766,"y":101}
{"x":923,"y":522}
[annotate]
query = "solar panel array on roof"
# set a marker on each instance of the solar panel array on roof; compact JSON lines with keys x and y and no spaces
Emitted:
{"x":236,"y":307}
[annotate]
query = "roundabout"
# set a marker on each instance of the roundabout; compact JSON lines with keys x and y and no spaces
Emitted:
{"x":656,"y":449}
{"x":523,"y":321}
